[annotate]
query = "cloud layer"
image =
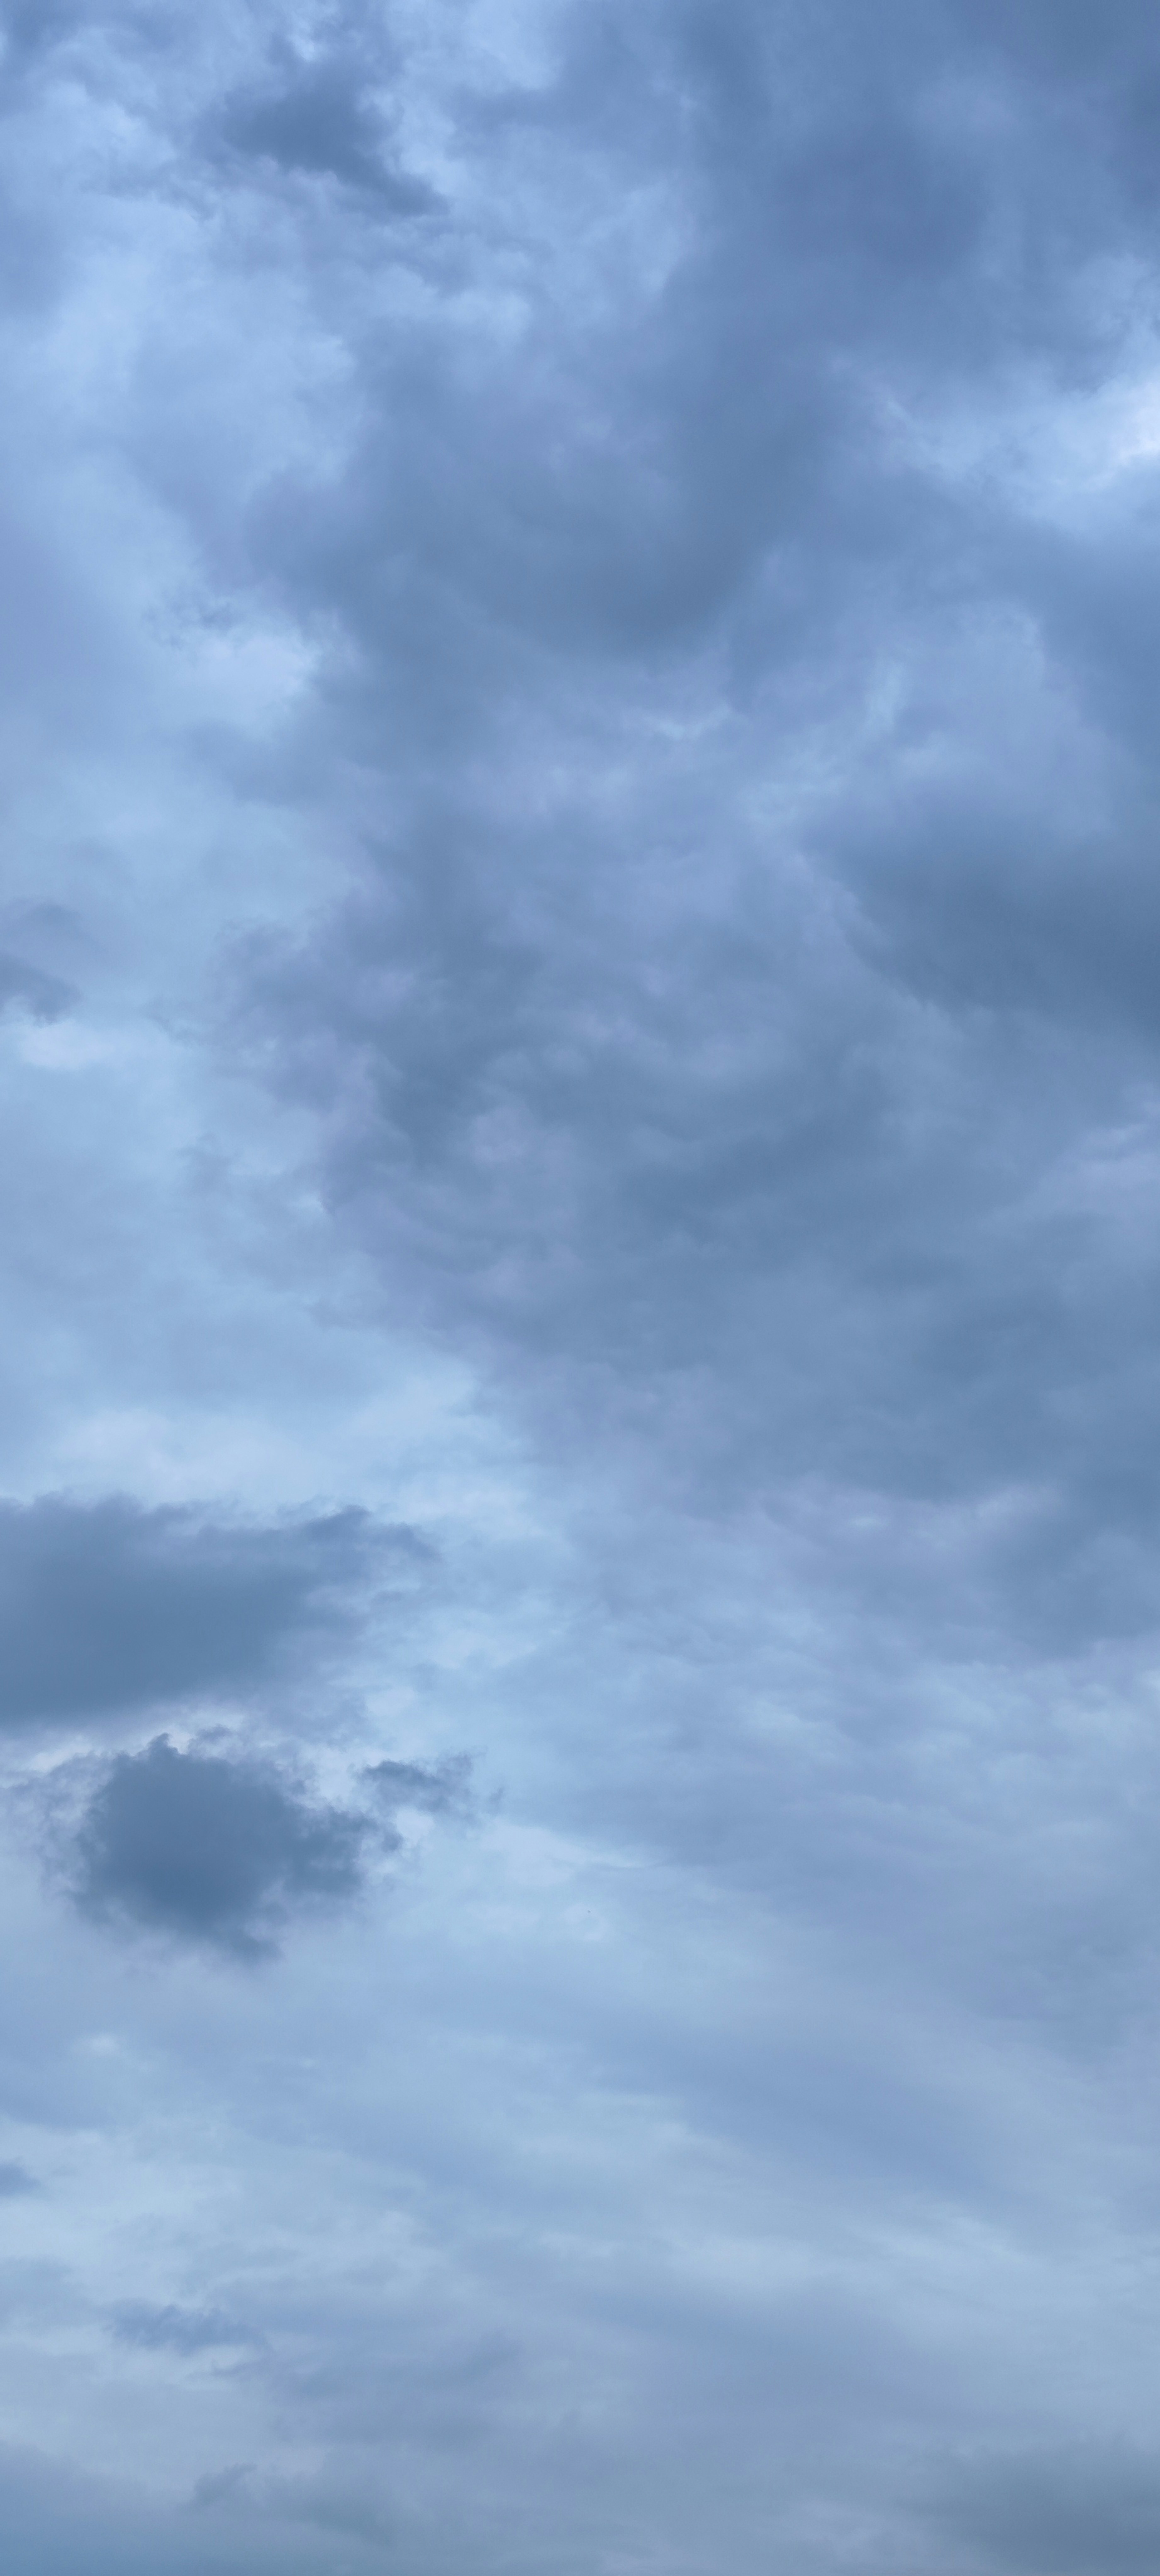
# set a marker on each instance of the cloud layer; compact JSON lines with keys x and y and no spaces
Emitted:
{"x":107,"y":1606}
{"x":577,"y":986}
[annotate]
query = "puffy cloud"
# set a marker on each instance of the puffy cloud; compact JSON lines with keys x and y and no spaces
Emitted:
{"x":208,"y":1846}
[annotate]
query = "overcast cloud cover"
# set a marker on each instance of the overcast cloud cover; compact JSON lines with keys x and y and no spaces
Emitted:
{"x":580,"y":1318}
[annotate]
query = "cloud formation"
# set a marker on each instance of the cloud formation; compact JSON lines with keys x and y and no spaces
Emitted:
{"x":210,"y":1847}
{"x":174,"y":2329}
{"x":110,"y":1606}
{"x":579,"y":975}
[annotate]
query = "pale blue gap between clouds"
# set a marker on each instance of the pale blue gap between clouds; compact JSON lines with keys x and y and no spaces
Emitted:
{"x":583,"y":791}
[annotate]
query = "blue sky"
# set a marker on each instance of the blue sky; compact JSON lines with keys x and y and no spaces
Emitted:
{"x":580,"y":1353}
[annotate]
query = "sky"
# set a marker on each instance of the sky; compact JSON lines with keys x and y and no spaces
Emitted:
{"x":580,"y":1291}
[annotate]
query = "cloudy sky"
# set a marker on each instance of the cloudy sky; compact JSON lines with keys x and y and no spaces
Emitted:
{"x":580,"y":1309}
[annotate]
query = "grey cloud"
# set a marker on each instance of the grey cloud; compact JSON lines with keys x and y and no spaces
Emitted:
{"x":219,"y":2485}
{"x":107,"y":1606}
{"x":317,"y":121}
{"x":56,"y":2522}
{"x":1089,"y":2511}
{"x":51,"y":936}
{"x":514,"y":1036}
{"x":223,"y":1846}
{"x":678,"y":815}
{"x":46,"y":997}
{"x":31,"y":29}
{"x":15,"y":2181}
{"x":175,"y":2329}
{"x":211,"y":1847}
{"x":438,"y":1788}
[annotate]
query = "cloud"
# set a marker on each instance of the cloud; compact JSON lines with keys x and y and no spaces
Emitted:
{"x":211,"y":1847}
{"x":587,"y":598}
{"x":316,"y":121}
{"x":223,"y":1846}
{"x":111,"y":1606}
{"x":46,"y":997}
{"x":1080,"y":2513}
{"x":15,"y":2181}
{"x":437,"y":1788}
{"x":57,"y":2521}
{"x":173,"y":2329}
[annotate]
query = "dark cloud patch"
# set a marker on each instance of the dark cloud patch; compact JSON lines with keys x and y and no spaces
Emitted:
{"x":754,"y":1116}
{"x":32,"y":29}
{"x":1089,"y":2510}
{"x":318,"y":122}
{"x":974,"y":902}
{"x":51,"y":936}
{"x":56,"y":2521}
{"x":107,"y":1606}
{"x":46,"y":997}
{"x":437,"y":1789}
{"x":172,"y":2329}
{"x":211,"y":1847}
{"x":16,"y":2181}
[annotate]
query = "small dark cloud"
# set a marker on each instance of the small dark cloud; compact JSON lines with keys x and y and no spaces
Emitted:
{"x":318,"y":124}
{"x":219,"y":2486}
{"x":33,"y":27}
{"x":15,"y":2181}
{"x":174,"y":2329}
{"x":107,"y":1606}
{"x":438,"y":1789}
{"x":44,"y":996}
{"x":211,"y":1847}
{"x":1087,"y":2510}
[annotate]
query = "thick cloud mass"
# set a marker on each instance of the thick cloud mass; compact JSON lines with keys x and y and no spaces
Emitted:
{"x":209,"y":1847}
{"x":578,"y":976}
{"x":108,"y":1607}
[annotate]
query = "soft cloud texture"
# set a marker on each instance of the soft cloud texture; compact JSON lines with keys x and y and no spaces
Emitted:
{"x":106,"y":1607}
{"x":576,"y":972}
{"x":209,"y":1848}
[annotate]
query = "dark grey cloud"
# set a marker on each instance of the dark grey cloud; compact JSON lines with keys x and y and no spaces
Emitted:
{"x":110,"y":1606}
{"x":211,"y":1847}
{"x":316,"y":120}
{"x":436,"y":1788}
{"x":1051,"y":2513}
{"x":45,"y":996}
{"x":223,"y":1846}
{"x":515,"y":1035}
